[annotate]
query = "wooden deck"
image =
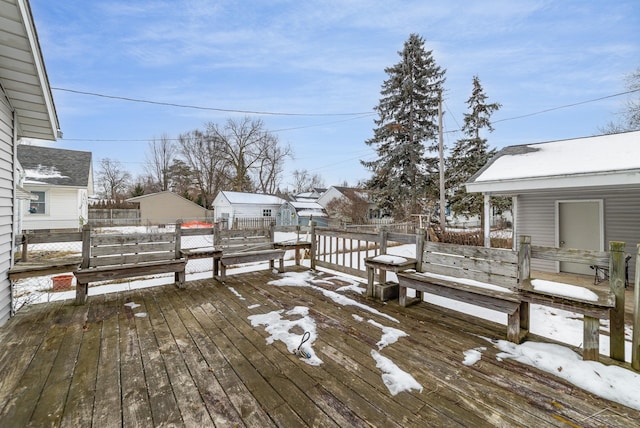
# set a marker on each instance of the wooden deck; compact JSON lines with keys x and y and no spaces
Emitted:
{"x":196,"y":360}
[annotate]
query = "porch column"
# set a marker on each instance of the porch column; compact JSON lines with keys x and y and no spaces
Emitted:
{"x":487,"y":220}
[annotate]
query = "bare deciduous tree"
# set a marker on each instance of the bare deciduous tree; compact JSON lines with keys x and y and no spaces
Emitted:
{"x":246,"y":143}
{"x":352,"y":208}
{"x":160,"y":155}
{"x":202,"y":153}
{"x":303,"y":181}
{"x":113,"y":178}
{"x":269,"y":168}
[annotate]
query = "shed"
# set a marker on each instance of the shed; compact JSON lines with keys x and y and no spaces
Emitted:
{"x":295,"y":213}
{"x":239,"y":209}
{"x":62,"y":181}
{"x":167,"y":207}
{"x":26,"y":111}
{"x":579,"y":193}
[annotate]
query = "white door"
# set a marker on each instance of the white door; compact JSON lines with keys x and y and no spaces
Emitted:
{"x":579,"y":226}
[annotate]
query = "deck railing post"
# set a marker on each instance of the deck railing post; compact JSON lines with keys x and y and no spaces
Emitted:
{"x":524,"y":257}
{"x":420,"y":238}
{"x":313,"y":250}
{"x":635,"y":341}
{"x":616,"y":282}
{"x":382,"y":275}
{"x":25,"y":247}
{"x":86,"y":245}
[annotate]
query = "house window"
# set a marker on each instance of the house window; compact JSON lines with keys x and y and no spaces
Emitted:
{"x":266,"y":212}
{"x":37,"y":206}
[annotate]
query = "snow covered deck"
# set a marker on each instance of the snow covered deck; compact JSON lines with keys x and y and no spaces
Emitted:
{"x":223,"y":355}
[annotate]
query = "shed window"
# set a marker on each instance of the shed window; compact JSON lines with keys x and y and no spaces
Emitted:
{"x":37,"y":206}
{"x":266,"y":212}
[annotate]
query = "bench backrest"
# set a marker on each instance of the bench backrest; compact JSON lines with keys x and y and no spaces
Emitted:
{"x":244,"y":240}
{"x":491,"y":265}
{"x":110,"y":250}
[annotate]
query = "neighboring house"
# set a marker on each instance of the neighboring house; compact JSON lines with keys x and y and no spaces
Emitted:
{"x":62,"y":181}
{"x":233,"y":207}
{"x":350,"y":193}
{"x":294,"y":213}
{"x":26,"y":111}
{"x":580,"y":193}
{"x":167,"y":207}
{"x":311,"y":196}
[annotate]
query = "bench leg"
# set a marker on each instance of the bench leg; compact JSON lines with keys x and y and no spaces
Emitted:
{"x":271,"y":264}
{"x":591,"y":340}
{"x":82,"y":290}
{"x":216,"y":266}
{"x":223,"y":272}
{"x":180,"y":278}
{"x":370,"y":281}
{"x":518,"y":323}
{"x":402,"y":296}
{"x":297,"y":256}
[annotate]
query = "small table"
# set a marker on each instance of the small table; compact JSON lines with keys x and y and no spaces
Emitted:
{"x":373,"y":263}
{"x":204,"y":253}
{"x":297,"y":246}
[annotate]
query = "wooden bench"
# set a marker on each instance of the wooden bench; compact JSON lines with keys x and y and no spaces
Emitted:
{"x":109,"y":257}
{"x":486,"y":277}
{"x":247,"y":246}
{"x":593,"y":310}
{"x":385,"y":263}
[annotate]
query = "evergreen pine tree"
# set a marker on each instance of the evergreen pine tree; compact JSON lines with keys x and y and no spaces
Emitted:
{"x":407,"y":120}
{"x":470,"y":153}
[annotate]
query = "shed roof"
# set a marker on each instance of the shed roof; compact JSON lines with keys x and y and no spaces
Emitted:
{"x":252,"y":198}
{"x":59,"y":167}
{"x":22,"y":72}
{"x":161,"y":194}
{"x":604,"y":160}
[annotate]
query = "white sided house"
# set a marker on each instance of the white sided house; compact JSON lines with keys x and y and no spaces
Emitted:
{"x":239,"y":209}
{"x":581,"y":193}
{"x":26,"y":111}
{"x":62,"y":181}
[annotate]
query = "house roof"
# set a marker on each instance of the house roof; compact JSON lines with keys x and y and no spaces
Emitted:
{"x":252,"y":198}
{"x":22,"y":72}
{"x":156,"y":194}
{"x":59,"y":167}
{"x":599,"y":161}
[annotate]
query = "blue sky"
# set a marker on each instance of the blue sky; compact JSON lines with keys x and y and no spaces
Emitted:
{"x":326,"y":57}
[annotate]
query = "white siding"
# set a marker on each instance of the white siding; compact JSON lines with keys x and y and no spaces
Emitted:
{"x":537,"y":218}
{"x":63,"y":210}
{"x":6,"y":204}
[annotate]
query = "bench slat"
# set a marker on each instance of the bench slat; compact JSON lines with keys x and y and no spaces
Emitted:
{"x":501,"y":280}
{"x":496,"y":254}
{"x":118,"y":272}
{"x":250,"y":257}
{"x":501,"y":301}
{"x":151,"y":247}
{"x":481,"y":265}
{"x":125,"y":259}
{"x":98,"y":240}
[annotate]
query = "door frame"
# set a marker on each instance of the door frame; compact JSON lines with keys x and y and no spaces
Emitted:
{"x":600,"y":203}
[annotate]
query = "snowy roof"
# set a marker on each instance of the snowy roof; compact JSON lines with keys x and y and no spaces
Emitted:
{"x":306,"y":205}
{"x":60,"y":167}
{"x":605,"y":160}
{"x":252,"y":198}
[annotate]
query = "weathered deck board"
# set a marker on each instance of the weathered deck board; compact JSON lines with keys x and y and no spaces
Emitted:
{"x":196,"y":360}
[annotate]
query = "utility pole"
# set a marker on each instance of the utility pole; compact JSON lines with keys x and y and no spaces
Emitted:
{"x":443,"y":201}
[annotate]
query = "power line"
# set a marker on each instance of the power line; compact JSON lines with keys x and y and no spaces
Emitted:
{"x":359,"y":115}
{"x":226,"y":110}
